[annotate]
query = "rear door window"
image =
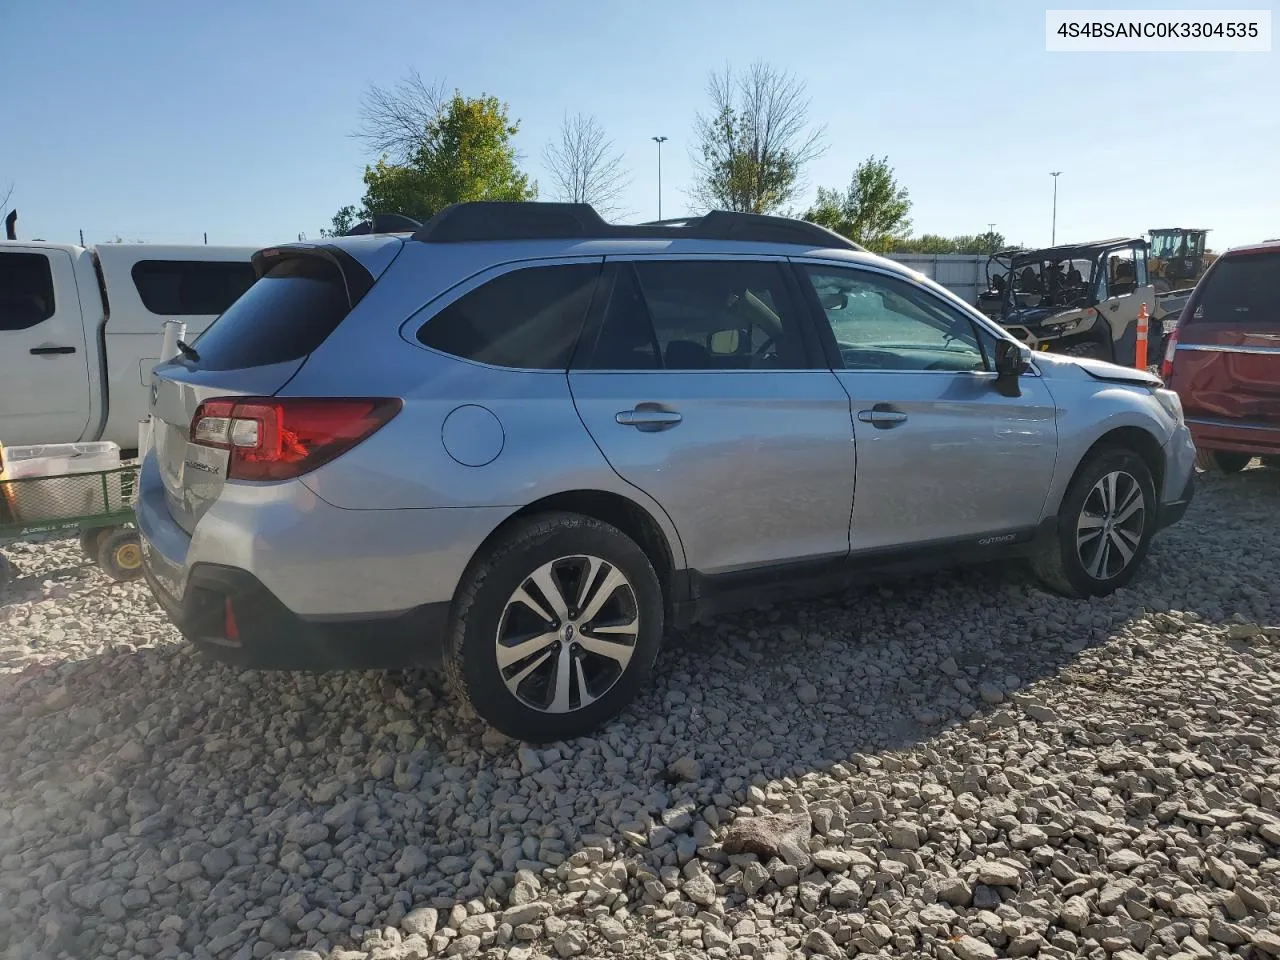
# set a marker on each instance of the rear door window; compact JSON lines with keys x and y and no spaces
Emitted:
{"x":191,"y":287}
{"x":26,"y":290}
{"x":529,"y":318}
{"x":1241,"y":290}
{"x":700,"y":315}
{"x":284,"y":316}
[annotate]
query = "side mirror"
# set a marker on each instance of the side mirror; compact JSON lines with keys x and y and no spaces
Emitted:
{"x":1012,"y":361}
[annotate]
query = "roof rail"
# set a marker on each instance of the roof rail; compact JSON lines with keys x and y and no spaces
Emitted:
{"x":534,"y":220}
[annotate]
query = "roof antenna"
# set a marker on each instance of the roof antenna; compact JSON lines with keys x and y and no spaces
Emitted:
{"x":10,"y":222}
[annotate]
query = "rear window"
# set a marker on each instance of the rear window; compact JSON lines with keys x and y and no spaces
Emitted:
{"x":284,"y":316}
{"x":26,"y":290}
{"x":191,"y":287}
{"x":528,"y":318}
{"x":1242,"y":290}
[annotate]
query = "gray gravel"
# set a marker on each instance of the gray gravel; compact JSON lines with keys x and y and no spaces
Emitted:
{"x":962,"y":766}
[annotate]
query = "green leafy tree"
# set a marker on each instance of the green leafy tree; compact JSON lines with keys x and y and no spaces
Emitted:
{"x":751,"y":147}
{"x":872,"y":211}
{"x":990,"y":242}
{"x":465,"y":154}
{"x":984,"y":243}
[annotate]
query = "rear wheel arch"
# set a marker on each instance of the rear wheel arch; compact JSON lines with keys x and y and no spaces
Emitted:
{"x":618,"y":511}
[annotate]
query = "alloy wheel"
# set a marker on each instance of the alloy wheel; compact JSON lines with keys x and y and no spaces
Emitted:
{"x":567,"y":634}
{"x":1109,"y":528}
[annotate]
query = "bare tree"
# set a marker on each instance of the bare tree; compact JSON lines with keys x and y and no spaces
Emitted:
{"x":394,"y":119}
{"x":751,"y":147}
{"x":585,"y":166}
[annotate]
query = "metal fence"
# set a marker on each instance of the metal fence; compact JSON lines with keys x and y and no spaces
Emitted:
{"x":964,"y":274}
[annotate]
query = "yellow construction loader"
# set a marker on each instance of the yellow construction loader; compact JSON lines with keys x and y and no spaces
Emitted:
{"x":1177,"y":258}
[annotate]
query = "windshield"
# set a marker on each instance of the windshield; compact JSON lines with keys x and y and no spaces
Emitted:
{"x":1052,"y":282}
{"x":1166,"y":243}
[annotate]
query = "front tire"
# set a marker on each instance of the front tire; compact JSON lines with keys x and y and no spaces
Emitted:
{"x":1222,"y":461}
{"x":556,"y":628}
{"x":1105,"y":525}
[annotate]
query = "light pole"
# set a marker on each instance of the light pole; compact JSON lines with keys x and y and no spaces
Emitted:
{"x":659,"y":141}
{"x":991,"y":236}
{"x":1053,"y":237}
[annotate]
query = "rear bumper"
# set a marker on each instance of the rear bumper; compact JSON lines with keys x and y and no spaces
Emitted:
{"x":1243,"y":438}
{"x":269,"y":636}
{"x":305,"y":592}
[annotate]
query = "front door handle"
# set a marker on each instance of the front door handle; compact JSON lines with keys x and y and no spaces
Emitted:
{"x":49,"y":350}
{"x":882,"y":416}
{"x":648,"y":417}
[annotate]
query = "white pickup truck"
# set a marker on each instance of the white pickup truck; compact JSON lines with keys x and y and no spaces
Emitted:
{"x":81,"y":328}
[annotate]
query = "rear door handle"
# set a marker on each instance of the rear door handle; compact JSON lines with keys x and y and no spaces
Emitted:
{"x":648,"y":418}
{"x":49,"y":350}
{"x":882,"y":416}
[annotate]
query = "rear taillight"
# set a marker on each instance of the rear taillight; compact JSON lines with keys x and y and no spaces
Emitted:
{"x":271,"y":438}
{"x":1170,"y":348}
{"x":230,"y":628}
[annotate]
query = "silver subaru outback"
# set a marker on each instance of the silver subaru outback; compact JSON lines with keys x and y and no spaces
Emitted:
{"x":527,"y":443}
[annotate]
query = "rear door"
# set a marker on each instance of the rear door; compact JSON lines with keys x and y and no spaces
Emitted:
{"x":702,"y":386}
{"x":44,"y":366}
{"x":1227,"y":365}
{"x":253,"y":349}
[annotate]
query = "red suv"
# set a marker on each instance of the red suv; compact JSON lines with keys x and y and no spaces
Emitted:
{"x":1224,"y":359}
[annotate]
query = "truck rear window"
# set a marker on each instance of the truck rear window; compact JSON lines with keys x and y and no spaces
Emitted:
{"x":286,"y":315}
{"x":26,"y":290}
{"x":191,"y":287}
{"x":1242,"y":290}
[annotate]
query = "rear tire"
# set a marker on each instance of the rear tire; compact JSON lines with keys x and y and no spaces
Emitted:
{"x":1222,"y":461}
{"x":1105,"y":525}
{"x":582,"y":666}
{"x":91,"y":541}
{"x":120,"y":554}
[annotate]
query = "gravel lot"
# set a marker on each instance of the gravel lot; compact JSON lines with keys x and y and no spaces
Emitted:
{"x":963,"y":766}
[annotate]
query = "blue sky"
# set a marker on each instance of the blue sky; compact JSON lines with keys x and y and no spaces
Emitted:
{"x":161,"y":121}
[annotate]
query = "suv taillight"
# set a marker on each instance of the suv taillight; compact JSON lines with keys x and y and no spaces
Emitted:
{"x":1170,"y":348}
{"x":271,"y":438}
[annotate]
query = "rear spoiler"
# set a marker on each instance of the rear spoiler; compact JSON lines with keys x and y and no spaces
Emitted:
{"x":356,"y":279}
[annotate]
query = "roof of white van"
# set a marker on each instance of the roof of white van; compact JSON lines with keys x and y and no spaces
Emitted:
{"x":144,"y":251}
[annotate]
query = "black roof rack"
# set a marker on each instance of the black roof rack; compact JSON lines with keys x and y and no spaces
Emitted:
{"x":497,"y":220}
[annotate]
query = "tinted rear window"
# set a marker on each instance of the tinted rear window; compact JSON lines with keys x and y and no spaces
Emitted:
{"x":26,"y":290}
{"x":190,"y":287}
{"x":528,"y":318}
{"x":284,"y":316}
{"x":1242,"y":290}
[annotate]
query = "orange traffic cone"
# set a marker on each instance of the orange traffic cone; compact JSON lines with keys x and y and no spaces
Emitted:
{"x":1140,"y":351}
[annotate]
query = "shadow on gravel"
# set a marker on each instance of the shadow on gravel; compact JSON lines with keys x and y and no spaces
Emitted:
{"x":343,"y":800}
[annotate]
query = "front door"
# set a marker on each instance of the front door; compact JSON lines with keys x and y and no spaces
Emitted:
{"x":44,"y":366}
{"x":942,"y":456}
{"x":701,"y":388}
